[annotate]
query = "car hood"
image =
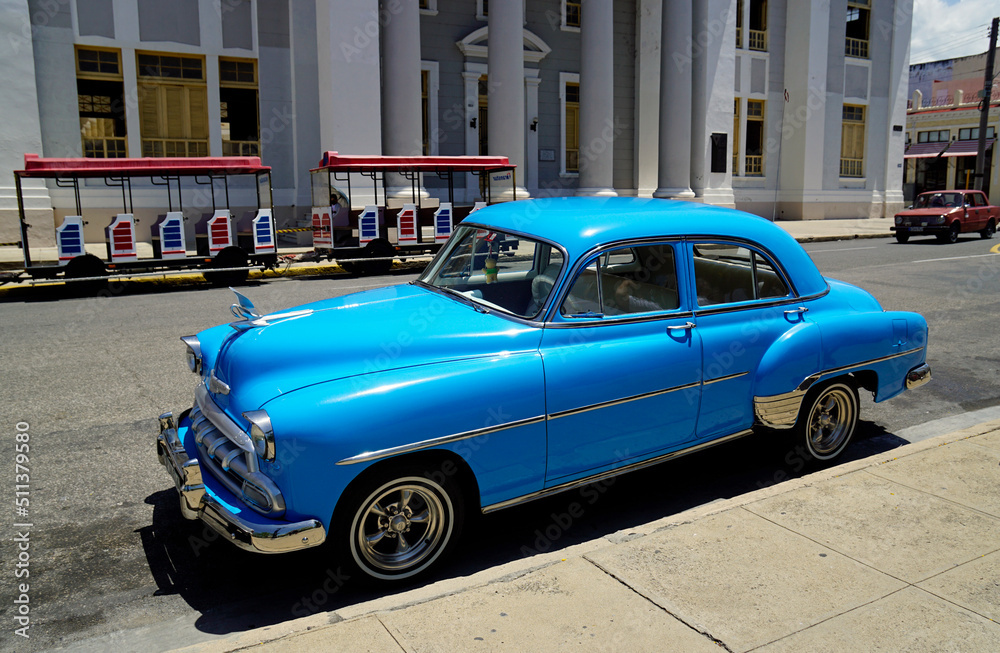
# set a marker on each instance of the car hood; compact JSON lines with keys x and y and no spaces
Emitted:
{"x":369,"y":332}
{"x":929,"y":211}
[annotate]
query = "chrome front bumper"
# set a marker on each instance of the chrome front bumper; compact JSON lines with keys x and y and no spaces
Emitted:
{"x":197,"y":503}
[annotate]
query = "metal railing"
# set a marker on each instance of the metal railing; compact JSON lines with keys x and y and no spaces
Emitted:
{"x":240,"y":148}
{"x":755,"y":165}
{"x":104,"y":148}
{"x":856,"y":48}
{"x":758,"y":39}
{"x":174,"y":147}
{"x":852,"y":167}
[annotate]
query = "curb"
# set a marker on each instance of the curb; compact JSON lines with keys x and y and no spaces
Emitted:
{"x":825,"y":239}
{"x":521,"y":567}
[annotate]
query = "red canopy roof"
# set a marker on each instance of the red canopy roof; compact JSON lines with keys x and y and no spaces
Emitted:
{"x":955,"y":148}
{"x":35,"y":166}
{"x":352,"y":163}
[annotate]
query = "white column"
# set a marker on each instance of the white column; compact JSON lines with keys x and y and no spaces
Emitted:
{"x":647,"y":100}
{"x":471,"y":77}
{"x":597,"y":90}
{"x":402,"y":131}
{"x":401,"y":121}
{"x":347,"y":36}
{"x":506,"y":86}
{"x":529,"y":177}
{"x":674,"y":174}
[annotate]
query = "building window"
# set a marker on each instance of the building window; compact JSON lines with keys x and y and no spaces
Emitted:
{"x":972,"y":133}
{"x":173,"y":105}
{"x":571,"y":14}
{"x":483,"y":9}
{"x":570,"y":99}
{"x":858,"y":14}
{"x":238,"y":102}
{"x":758,"y":25}
{"x":936,"y":136}
{"x":429,"y":7}
{"x":755,"y":139}
{"x":739,"y":23}
{"x":100,"y":96}
{"x":429,"y":106}
{"x":484,"y":143}
{"x":736,"y":137}
{"x":852,"y":142}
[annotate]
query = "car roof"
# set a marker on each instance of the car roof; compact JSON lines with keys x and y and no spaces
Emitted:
{"x":581,"y":223}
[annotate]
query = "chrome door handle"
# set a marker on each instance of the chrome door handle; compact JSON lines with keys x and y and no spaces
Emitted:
{"x":796,"y":311}
{"x":681,"y":327}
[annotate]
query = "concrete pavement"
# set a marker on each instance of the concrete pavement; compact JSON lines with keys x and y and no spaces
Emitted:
{"x":900,"y":551}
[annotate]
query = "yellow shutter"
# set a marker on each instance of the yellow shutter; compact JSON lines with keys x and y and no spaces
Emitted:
{"x":198,"y":98}
{"x":149,"y":122}
{"x":175,"y":108}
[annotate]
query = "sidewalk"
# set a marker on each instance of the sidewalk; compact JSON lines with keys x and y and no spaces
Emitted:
{"x":899,"y":553}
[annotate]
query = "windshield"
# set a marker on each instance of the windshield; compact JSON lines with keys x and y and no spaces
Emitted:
{"x":938,"y":200}
{"x":497,"y":270}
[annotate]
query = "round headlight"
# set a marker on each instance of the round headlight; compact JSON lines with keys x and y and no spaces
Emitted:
{"x":261,"y":433}
{"x":940,"y":219}
{"x":899,"y":219}
{"x":193,"y":353}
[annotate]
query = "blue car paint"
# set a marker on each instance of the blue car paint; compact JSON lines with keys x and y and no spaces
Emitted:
{"x":400,"y":365}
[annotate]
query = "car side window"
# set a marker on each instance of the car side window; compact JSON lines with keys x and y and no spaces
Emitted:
{"x":977,"y":200}
{"x":728,"y":273}
{"x":625,"y":281}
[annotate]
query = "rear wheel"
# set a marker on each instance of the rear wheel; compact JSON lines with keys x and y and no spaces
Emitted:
{"x":397,"y":524}
{"x":902,"y":236}
{"x":827,"y":420}
{"x":991,"y":228}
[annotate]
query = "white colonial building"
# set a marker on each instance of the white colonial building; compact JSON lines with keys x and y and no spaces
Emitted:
{"x":791,"y":109}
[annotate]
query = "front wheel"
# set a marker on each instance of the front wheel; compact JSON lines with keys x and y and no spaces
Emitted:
{"x":398,"y":524}
{"x":951,"y":236}
{"x":827,"y":420}
{"x":988,"y":232}
{"x":902,"y":236}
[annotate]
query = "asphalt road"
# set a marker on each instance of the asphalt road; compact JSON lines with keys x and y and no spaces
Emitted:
{"x":113,"y":566}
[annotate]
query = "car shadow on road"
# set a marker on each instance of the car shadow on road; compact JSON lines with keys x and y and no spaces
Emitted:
{"x":235,"y":590}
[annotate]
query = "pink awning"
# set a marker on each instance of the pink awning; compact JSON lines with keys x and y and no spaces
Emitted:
{"x":966,"y":148}
{"x":923,"y":150}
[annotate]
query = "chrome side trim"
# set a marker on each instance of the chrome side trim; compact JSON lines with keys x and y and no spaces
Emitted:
{"x":779,"y":411}
{"x":869,"y":362}
{"x":609,"y":320}
{"x":437,"y":442}
{"x":725,"y":378}
{"x":569,"y":485}
{"x":623,"y":400}
{"x":918,"y":376}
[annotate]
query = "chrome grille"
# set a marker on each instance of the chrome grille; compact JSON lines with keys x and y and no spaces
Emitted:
{"x":233,"y":466}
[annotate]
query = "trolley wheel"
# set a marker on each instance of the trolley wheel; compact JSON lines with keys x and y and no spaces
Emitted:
{"x":377,"y":249}
{"x":85,"y":266}
{"x":230,"y":257}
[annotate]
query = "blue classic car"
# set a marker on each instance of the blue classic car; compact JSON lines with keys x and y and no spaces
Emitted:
{"x":615,"y":334}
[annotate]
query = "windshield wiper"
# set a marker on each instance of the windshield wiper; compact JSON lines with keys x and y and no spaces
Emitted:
{"x":462,"y":296}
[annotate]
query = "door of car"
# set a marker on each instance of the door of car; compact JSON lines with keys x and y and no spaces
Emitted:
{"x":622,"y":363}
{"x":742,"y":308}
{"x":976,"y":210}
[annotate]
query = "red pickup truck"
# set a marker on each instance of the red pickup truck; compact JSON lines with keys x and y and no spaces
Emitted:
{"x":946,"y":214}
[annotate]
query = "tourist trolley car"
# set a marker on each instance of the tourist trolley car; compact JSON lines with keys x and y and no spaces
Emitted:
{"x":226,"y":244}
{"x":366,"y":239}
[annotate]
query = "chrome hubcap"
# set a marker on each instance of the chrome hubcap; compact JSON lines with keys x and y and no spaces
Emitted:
{"x":831,"y":422}
{"x":402,"y":527}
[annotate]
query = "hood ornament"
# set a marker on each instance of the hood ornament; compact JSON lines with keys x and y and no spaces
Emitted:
{"x":244,"y":308}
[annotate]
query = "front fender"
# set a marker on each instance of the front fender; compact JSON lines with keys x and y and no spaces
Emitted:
{"x":328,"y":433}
